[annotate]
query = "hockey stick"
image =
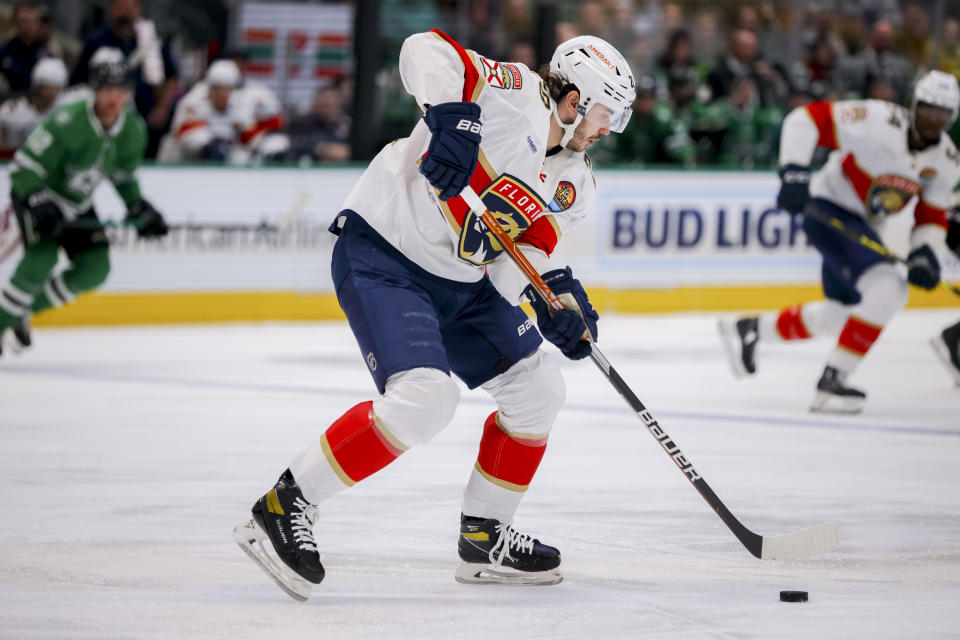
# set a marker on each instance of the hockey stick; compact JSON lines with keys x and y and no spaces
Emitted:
{"x":863,"y":240}
{"x":807,"y":542}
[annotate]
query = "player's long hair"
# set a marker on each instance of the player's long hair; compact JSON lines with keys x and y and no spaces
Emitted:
{"x":557,"y":85}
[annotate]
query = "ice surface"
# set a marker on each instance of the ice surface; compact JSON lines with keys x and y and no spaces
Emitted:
{"x":128,"y":454}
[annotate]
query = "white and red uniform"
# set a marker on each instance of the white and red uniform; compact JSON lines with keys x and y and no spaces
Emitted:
{"x":872,"y":173}
{"x":196,"y":123}
{"x":401,"y":205}
{"x":537,"y":198}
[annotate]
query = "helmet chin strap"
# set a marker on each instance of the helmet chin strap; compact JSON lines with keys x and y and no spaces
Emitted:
{"x":568,"y":129}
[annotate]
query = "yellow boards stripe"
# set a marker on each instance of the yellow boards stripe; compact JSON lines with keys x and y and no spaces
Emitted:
{"x":254,"y":306}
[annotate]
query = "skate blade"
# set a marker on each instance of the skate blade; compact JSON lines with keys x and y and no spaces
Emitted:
{"x":250,"y":537}
{"x":475,"y":573}
{"x":730,"y":340}
{"x":943,"y":354}
{"x":829,"y":403}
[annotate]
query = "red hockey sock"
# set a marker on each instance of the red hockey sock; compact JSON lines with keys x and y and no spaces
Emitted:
{"x":358,"y":445}
{"x":790,"y":324}
{"x":509,"y":461}
{"x":858,"y":336}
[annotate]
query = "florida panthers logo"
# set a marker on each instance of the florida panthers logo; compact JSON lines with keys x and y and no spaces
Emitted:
{"x":888,"y":194}
{"x":515,"y":206}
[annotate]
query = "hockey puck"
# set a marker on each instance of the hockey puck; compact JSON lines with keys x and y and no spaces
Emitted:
{"x":793,"y":596}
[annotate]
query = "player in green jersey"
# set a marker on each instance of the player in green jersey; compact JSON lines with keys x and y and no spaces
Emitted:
{"x":53,"y":176}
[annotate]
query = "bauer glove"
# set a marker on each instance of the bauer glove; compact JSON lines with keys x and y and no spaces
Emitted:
{"x":924,"y":268}
{"x":39,"y":216}
{"x":454,"y":147}
{"x":794,"y":188}
{"x":146,"y":220}
{"x":569,"y":328}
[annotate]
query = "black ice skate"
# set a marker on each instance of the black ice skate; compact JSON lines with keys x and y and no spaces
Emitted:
{"x":286,"y":519}
{"x":497,"y":553}
{"x":740,"y":344}
{"x":947,"y":347}
{"x":16,"y":338}
{"x":834,"y":396}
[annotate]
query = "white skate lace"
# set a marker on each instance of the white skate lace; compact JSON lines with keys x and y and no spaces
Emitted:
{"x":509,"y":538}
{"x":303,"y":524}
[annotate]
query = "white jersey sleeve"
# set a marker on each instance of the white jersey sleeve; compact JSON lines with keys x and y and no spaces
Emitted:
{"x":445,"y":237}
{"x":433,"y":72}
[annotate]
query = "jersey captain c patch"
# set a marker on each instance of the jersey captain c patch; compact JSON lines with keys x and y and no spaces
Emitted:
{"x":515,"y":206}
{"x":563,"y":197}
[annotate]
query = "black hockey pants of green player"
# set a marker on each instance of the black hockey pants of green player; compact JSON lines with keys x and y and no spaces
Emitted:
{"x":34,"y":287}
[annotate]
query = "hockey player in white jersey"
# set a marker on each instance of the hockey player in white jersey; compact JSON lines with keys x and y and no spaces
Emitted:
{"x":20,"y":116}
{"x":883,"y":156}
{"x":411,"y":267}
{"x":213,"y":121}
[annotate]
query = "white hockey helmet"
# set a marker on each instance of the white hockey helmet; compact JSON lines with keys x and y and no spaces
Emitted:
{"x":603,"y":78}
{"x":106,"y":55}
{"x":49,"y":72}
{"x":939,"y":89}
{"x":223,"y":73}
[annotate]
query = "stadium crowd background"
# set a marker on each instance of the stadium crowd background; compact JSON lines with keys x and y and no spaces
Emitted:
{"x":714,"y":79}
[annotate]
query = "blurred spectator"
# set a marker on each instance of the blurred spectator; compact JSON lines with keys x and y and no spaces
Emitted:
{"x":880,"y":87}
{"x":213,"y":121}
{"x":19,"y":116}
{"x":155,"y":75}
{"x":747,"y":132}
{"x":517,"y":20}
{"x":658,"y":131}
{"x":949,"y":54}
{"x":705,"y":37}
{"x":56,"y":44}
{"x":877,"y":59}
{"x":914,"y":41}
{"x":743,"y":59}
{"x":523,"y":52}
{"x":322,"y":134}
{"x":19,"y":54}
{"x":678,"y":55}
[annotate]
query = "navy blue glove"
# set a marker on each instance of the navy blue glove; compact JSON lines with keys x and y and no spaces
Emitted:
{"x":953,"y":231}
{"x":565,"y":328}
{"x":146,"y":220}
{"x":454,"y":147}
{"x":924,"y":268}
{"x":794,"y":188}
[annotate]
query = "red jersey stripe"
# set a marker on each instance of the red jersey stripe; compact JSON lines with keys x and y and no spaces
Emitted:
{"x":470,"y":74}
{"x":822,"y":114}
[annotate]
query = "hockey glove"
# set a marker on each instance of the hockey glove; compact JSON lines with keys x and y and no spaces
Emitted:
{"x":924,"y":268}
{"x":38,"y":215}
{"x":452,"y":155}
{"x":568,"y":328}
{"x":953,"y":231}
{"x":794,"y":188}
{"x":146,"y":220}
